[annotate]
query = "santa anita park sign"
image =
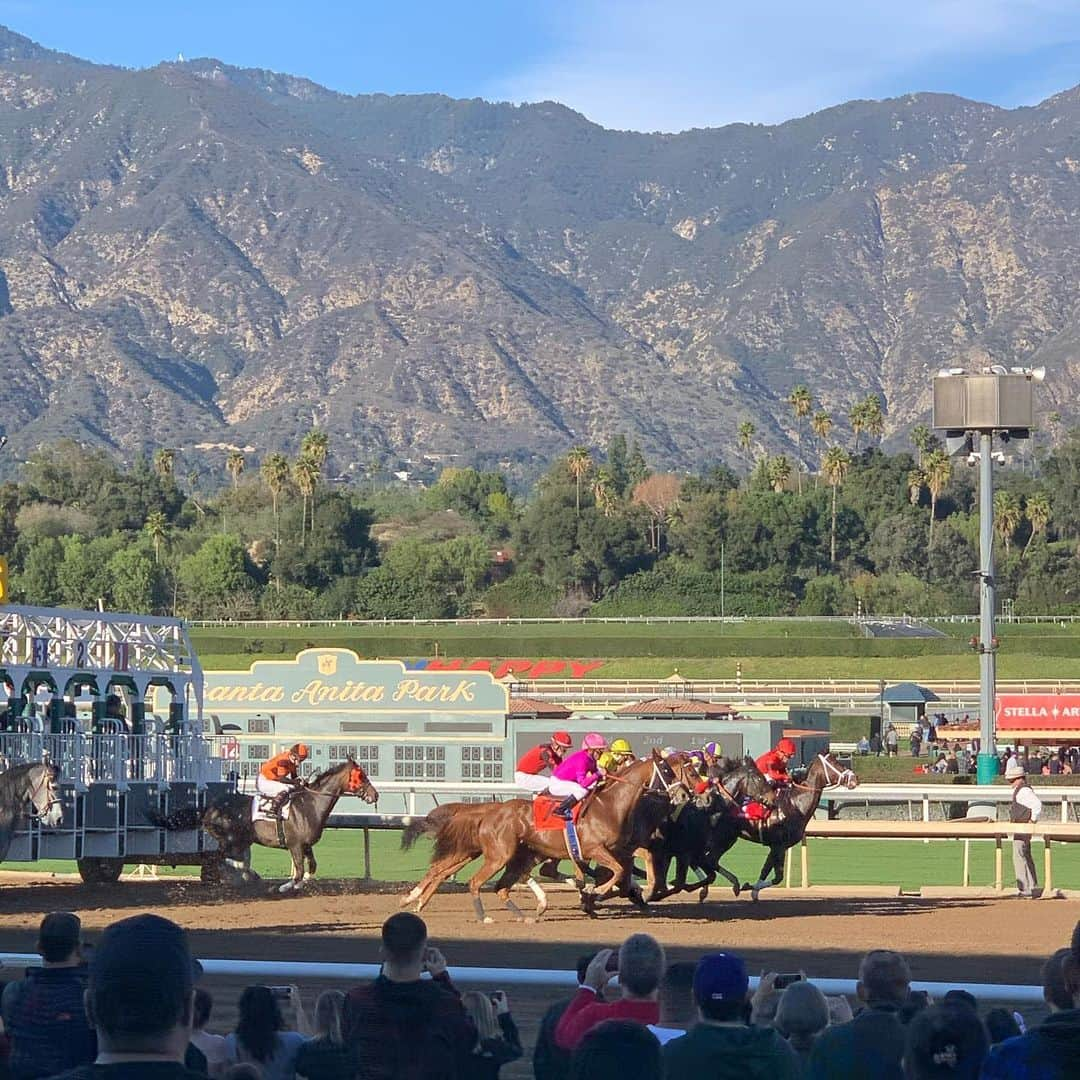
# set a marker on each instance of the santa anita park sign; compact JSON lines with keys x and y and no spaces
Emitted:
{"x":335,"y":681}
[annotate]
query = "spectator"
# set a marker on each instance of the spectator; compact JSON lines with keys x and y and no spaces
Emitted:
{"x":1056,"y":993}
{"x":872,"y":1045}
{"x":839,"y":1010}
{"x":618,"y":1050}
{"x":803,"y":1014}
{"x":916,"y":741}
{"x":552,"y":1062}
{"x":212,"y":1047}
{"x":945,"y":1042}
{"x":862,"y":747}
{"x":44,"y":1015}
{"x":917,"y":1000}
{"x":260,"y":1038}
{"x":326,"y":1056}
{"x":404,"y":1027}
{"x":961,"y":998}
{"x":1025,"y":806}
{"x":875,"y":744}
{"x":640,"y":967}
{"x":1001,"y":1025}
{"x":140,"y":998}
{"x":892,"y":741}
{"x":723,"y":1045}
{"x":676,"y":1002}
{"x":1050,"y":1051}
{"x":497,"y":1038}
{"x":764,"y":1001}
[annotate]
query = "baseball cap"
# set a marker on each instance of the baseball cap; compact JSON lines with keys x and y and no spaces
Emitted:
{"x":720,"y":977}
{"x":59,"y":935}
{"x":144,"y":947}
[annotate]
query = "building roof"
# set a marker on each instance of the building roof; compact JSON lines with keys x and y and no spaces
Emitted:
{"x":542,"y":710}
{"x":908,"y":693}
{"x":676,"y":706}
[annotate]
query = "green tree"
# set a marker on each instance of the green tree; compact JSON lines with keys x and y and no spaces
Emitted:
{"x":922,"y":438}
{"x":38,"y":582}
{"x":857,"y":417}
{"x":874,"y":418}
{"x":835,"y":466}
{"x":779,"y":472}
{"x":215,"y":575}
{"x":165,"y":462}
{"x":618,"y":465}
{"x":157,"y":529}
{"x":135,"y":580}
{"x":746,"y":439}
{"x":275,"y":473}
{"x":1037,"y":511}
{"x":938,"y":472}
{"x":234,"y":465}
{"x":305,"y":475}
{"x":821,"y":424}
{"x":604,"y":491}
{"x":579,"y":462}
{"x":916,"y":481}
{"x":636,"y":467}
{"x":802,"y":404}
{"x":1007,"y":517}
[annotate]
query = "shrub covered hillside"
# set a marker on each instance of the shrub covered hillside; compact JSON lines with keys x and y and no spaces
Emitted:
{"x":599,"y":533}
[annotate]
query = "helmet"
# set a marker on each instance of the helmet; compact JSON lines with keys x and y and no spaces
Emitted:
{"x":668,"y":751}
{"x":711,"y":748}
{"x":562,"y":738}
{"x":621,"y":746}
{"x":300,"y":750}
{"x":787,"y":746}
{"x":593,"y":741}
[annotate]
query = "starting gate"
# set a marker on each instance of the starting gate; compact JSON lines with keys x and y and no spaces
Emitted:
{"x":80,"y":687}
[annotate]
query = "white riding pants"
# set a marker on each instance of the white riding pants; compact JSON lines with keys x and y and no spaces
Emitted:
{"x":565,"y":788}
{"x":532,"y":781}
{"x":270,"y":788}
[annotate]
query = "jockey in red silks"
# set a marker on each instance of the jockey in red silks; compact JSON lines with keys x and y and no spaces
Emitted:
{"x":529,"y":771}
{"x":577,"y":774}
{"x":774,"y":764}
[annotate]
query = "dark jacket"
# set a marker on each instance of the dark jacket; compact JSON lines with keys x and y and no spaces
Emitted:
{"x":870,"y":1046}
{"x":492,"y":1054}
{"x":46,"y":1021}
{"x":1049,"y":1052}
{"x":321,"y":1059}
{"x":735,"y":1052}
{"x":551,"y":1061}
{"x":408,"y":1031}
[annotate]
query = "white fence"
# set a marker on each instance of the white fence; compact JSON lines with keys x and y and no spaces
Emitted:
{"x":645,"y":620}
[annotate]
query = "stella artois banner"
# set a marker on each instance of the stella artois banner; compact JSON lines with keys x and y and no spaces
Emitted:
{"x":1038,"y":712}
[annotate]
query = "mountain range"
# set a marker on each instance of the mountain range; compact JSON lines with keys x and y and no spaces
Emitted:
{"x":201,"y":256}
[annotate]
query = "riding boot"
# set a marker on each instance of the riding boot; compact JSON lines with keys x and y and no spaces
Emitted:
{"x":565,"y":809}
{"x":277,"y":805}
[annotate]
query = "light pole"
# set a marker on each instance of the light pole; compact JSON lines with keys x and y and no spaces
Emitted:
{"x":969,"y":405}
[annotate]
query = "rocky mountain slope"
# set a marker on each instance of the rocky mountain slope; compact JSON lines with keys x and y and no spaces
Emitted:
{"x":196,"y":254}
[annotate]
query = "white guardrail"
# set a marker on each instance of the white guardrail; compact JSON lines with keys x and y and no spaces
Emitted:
{"x":276,"y":970}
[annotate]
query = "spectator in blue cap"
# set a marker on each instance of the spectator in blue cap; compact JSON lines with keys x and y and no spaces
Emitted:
{"x":140,"y":999}
{"x":722,"y":1044}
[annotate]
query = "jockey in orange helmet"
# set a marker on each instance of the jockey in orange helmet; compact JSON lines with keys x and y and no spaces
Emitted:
{"x":279,"y":778}
{"x":774,"y":764}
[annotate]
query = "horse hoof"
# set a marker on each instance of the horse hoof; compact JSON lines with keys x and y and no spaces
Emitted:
{"x":286,"y":888}
{"x":755,"y":895}
{"x":488,"y":920}
{"x":309,"y":876}
{"x":736,"y":889}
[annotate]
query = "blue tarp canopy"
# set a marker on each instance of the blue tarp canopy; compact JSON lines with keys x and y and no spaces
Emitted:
{"x":909,"y":693}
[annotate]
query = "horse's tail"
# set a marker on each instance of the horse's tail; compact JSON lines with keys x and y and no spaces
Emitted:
{"x":426,"y":826}
{"x":188,"y":817}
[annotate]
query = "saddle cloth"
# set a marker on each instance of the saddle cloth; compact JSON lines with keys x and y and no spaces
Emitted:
{"x":544,"y":818}
{"x":261,"y":809}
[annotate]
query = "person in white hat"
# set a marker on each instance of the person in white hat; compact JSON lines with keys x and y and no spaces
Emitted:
{"x":1025,"y":806}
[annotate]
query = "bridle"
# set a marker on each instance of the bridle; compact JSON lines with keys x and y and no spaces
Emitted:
{"x":834,"y":775}
{"x":52,"y":791}
{"x":659,"y":781}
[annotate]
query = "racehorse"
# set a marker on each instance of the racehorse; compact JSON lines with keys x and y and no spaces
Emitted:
{"x":615,"y":820}
{"x":704,"y":829}
{"x":228,"y":820}
{"x":37,"y":782}
{"x":795,"y":806}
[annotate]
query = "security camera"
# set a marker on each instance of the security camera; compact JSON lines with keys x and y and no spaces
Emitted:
{"x":973,"y":458}
{"x":999,"y":457}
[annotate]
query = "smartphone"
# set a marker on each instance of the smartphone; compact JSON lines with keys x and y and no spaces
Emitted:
{"x":613,"y":961}
{"x":783,"y":981}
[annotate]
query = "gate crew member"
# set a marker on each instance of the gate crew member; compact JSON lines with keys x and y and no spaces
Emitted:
{"x":279,"y":780}
{"x":529,"y":771}
{"x":579,"y":772}
{"x":773,"y":765}
{"x":617,"y":756}
{"x":1025,"y":806}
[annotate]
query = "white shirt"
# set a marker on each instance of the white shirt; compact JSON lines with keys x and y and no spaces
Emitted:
{"x":1027,"y":798}
{"x":213,"y":1048}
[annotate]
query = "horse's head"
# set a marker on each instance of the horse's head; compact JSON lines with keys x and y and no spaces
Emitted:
{"x":835,"y":774}
{"x":43,"y":792}
{"x":745,"y":779}
{"x":359,"y":783}
{"x":673,"y":776}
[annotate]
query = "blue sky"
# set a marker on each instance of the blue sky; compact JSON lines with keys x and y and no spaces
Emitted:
{"x":637,"y":64}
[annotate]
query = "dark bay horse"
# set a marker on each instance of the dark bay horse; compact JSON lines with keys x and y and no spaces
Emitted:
{"x":698,"y":834}
{"x":228,"y":820}
{"x":795,"y":806}
{"x":616,"y":820}
{"x":36,"y":783}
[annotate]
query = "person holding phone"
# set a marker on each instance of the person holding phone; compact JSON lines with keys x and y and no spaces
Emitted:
{"x":260,"y":1036}
{"x":497,"y":1038}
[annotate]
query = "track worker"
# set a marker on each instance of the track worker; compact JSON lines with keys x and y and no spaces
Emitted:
{"x":529,"y":772}
{"x":774,"y":764}
{"x":577,"y":774}
{"x":1025,"y":806}
{"x":279,"y":779}
{"x":617,"y":756}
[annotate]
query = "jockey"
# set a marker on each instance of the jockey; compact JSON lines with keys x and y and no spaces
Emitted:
{"x":528,"y":773}
{"x":279,"y":779}
{"x":578,"y":772}
{"x":616,"y":756}
{"x":774,"y":764}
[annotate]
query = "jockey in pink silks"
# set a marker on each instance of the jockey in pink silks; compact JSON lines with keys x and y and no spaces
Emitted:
{"x":577,"y":774}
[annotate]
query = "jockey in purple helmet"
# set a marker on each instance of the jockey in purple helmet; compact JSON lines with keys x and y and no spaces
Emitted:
{"x":577,"y":773}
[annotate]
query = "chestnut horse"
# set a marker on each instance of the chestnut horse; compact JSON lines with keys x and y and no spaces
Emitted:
{"x":615,"y":820}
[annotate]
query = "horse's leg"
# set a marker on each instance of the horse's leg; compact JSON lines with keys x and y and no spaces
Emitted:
{"x":775,"y":861}
{"x":434,"y":879}
{"x":491,"y":865}
{"x":519,"y":866}
{"x":618,"y":874}
{"x":436,"y":871}
{"x":297,"y":879}
{"x":312,"y":865}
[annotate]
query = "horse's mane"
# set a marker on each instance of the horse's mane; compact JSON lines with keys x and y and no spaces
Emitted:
{"x":318,"y":778}
{"x":13,"y":786}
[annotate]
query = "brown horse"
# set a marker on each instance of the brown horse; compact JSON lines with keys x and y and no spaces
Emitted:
{"x":794,"y":808}
{"x":228,"y":820}
{"x":615,"y":820}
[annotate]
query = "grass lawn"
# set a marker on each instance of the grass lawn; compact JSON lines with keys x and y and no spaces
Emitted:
{"x":906,"y":863}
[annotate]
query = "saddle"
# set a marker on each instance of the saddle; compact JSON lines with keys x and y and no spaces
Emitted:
{"x":544,"y":819}
{"x":262,"y":809}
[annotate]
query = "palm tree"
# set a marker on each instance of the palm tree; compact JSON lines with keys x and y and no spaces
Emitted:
{"x":875,"y":418}
{"x":821,"y":425}
{"x":801,"y":405}
{"x":305,"y":473}
{"x":316,"y":446}
{"x":916,"y":481}
{"x":234,"y":466}
{"x":164,"y":460}
{"x":578,"y":462}
{"x":835,"y":465}
{"x":1037,"y":510}
{"x":938,"y":473}
{"x":857,"y":418}
{"x":779,"y":472}
{"x":275,"y":472}
{"x":746,"y":437}
{"x":604,"y":491}
{"x":1007,"y":516}
{"x":922,"y":437}
{"x":156,"y":526}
